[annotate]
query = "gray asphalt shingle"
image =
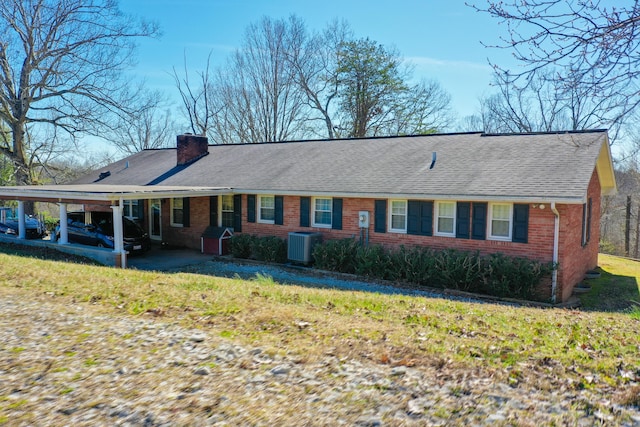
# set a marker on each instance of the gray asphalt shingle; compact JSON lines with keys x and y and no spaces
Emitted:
{"x":469,"y":166}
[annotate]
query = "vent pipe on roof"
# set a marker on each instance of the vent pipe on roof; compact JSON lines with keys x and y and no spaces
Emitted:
{"x":433,"y":160}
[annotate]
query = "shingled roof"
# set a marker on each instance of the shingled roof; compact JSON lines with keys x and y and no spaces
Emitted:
{"x":471,"y":166}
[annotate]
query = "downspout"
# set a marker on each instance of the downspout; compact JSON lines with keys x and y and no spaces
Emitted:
{"x":556,"y":239}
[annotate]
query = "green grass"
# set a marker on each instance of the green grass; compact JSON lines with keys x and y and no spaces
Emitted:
{"x":519,"y":343}
{"x":617,"y":288}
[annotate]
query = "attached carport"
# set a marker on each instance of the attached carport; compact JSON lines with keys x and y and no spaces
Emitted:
{"x":96,"y":194}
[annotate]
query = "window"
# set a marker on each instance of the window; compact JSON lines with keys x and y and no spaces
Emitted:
{"x":226,"y":211}
{"x":130,"y":209}
{"x":398,"y":216}
{"x":177,"y":212}
{"x":586,"y":222}
{"x":322,"y":212}
{"x":445,"y":219}
{"x":501,"y":217}
{"x":267,"y":210}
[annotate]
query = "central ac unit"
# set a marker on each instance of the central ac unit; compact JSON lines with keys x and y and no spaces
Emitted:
{"x":300,"y":246}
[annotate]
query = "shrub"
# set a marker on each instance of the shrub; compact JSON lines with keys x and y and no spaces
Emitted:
{"x":269,"y":249}
{"x":459,"y":270}
{"x":414,"y":265}
{"x":241,"y":245}
{"x":496,"y":274}
{"x":512,"y":276}
{"x":336,"y":255}
{"x":373,"y":261}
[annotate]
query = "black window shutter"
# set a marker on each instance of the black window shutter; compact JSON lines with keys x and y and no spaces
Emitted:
{"x":186,"y":214}
{"x":251,"y":208}
{"x":237,"y":213}
{"x":413,"y":217}
{"x":213,"y":211}
{"x":305,"y":211}
{"x":520,"y":223}
{"x":380,"y":216}
{"x":279,"y":210}
{"x":336,"y":214}
{"x":589,"y":221}
{"x":463,"y":218}
{"x":479,"y":221}
{"x":426,"y":218}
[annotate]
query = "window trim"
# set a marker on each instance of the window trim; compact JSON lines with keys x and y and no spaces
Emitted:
{"x":390,"y":213}
{"x":314,"y":210}
{"x":259,"y":208}
{"x":171,"y":216}
{"x":490,"y":235}
{"x":129,"y":204}
{"x":221,"y":211}
{"x":436,"y":231}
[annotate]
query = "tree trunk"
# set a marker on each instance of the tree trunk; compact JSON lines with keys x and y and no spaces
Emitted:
{"x":635,"y":251}
{"x":627,"y":227}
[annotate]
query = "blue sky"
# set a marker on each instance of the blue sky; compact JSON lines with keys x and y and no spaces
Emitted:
{"x":440,"y":37}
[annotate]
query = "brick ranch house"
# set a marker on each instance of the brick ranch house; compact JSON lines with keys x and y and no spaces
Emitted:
{"x":527,"y":195}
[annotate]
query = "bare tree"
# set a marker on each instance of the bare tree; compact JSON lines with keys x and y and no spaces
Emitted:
{"x":423,"y":109}
{"x":196,"y":98}
{"x":538,"y":103}
{"x":61,"y":66}
{"x":259,"y":100}
{"x":585,"y":44}
{"x":150,"y":126}
{"x":285,"y":83}
{"x":314,"y":64}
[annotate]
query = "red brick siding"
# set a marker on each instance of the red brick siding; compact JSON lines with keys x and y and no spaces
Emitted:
{"x":574,"y":259}
{"x":198,"y":222}
{"x":540,"y":246}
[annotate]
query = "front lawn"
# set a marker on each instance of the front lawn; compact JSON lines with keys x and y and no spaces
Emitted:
{"x":617,"y":289}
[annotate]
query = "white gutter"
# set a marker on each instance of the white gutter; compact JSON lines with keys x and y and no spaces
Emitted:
{"x":556,"y":239}
{"x":419,"y":196}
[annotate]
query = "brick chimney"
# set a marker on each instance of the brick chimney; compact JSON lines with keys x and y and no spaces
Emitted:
{"x":191,"y":148}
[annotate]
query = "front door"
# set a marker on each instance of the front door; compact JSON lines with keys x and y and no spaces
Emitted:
{"x":155,"y":219}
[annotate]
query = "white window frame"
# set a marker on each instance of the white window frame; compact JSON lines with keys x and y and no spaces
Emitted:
{"x":314,"y":210}
{"x":391,"y":214}
{"x":173,"y":223}
{"x":259,"y":207}
{"x":490,"y":235}
{"x":128,"y":205}
{"x":436,"y":231}
{"x":221,"y":209}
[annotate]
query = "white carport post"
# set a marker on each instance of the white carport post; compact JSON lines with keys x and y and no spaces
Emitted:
{"x":118,"y":235}
{"x":22,"y":224}
{"x":64,"y":233}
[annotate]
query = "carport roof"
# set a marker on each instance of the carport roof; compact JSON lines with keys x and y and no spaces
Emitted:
{"x":104,"y":192}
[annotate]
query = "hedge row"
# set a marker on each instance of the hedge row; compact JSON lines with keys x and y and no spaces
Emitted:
{"x":496,"y":274}
{"x":268,"y":249}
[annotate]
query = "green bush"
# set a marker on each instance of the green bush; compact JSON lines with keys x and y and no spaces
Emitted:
{"x":373,"y":261}
{"x":512,"y":276}
{"x":336,"y":255}
{"x":459,"y":270}
{"x":269,"y":249}
{"x":241,"y":245}
{"x":496,"y":275}
{"x":415,"y":265}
